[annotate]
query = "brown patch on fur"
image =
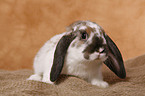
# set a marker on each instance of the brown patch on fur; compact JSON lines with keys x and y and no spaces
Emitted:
{"x":86,"y":55}
{"x":80,"y":43}
{"x":95,"y":45}
{"x":89,"y":30}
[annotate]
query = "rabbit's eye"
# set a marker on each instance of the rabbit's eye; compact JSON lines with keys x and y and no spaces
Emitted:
{"x":84,"y":36}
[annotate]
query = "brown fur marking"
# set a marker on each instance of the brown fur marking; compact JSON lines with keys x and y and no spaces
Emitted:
{"x":89,"y":30}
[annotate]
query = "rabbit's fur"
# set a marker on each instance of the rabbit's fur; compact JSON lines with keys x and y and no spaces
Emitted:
{"x":85,"y":54}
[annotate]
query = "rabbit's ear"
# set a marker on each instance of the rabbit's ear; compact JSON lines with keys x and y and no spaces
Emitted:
{"x":59,"y":55}
{"x":114,"y":61}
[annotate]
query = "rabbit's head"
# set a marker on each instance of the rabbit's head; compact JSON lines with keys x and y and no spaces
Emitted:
{"x":90,"y":37}
{"x":96,"y":45}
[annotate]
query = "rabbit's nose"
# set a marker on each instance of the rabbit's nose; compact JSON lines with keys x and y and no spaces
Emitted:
{"x":101,"y":50}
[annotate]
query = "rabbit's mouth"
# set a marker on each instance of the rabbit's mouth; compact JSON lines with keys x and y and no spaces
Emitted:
{"x":101,"y":57}
{"x":95,"y":56}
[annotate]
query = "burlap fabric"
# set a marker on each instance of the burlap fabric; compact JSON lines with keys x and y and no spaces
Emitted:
{"x":14,"y":83}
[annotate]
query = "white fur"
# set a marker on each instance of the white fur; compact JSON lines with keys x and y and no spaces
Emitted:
{"x":74,"y":64}
{"x":82,"y":27}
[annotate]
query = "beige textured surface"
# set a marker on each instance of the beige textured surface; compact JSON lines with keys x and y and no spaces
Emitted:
{"x":26,"y":24}
{"x":13,"y":83}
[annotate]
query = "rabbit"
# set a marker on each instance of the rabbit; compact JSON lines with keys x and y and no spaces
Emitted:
{"x":81,"y":52}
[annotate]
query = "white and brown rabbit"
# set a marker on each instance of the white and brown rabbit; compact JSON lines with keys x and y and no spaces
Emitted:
{"x":80,"y":51}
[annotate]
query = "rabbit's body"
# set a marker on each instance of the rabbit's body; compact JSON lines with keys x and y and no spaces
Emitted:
{"x":74,"y":64}
{"x":80,"y":52}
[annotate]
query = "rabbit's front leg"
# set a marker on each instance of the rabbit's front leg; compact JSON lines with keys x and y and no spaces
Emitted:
{"x":99,"y":83}
{"x":97,"y":78}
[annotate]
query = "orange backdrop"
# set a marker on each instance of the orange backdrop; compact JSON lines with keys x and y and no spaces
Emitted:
{"x":25,"y":25}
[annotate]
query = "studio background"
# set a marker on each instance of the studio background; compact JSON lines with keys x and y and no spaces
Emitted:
{"x":25,"y":25}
